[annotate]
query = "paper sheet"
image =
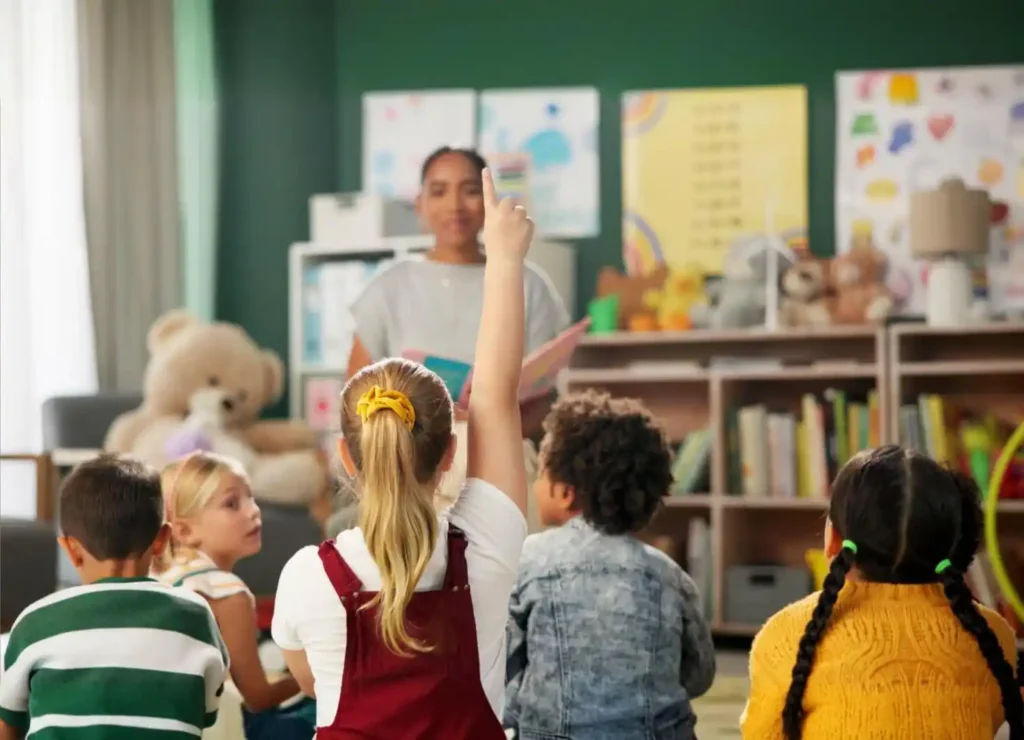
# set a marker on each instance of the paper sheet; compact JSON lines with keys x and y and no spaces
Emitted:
{"x":903,"y":130}
{"x":400,"y":129}
{"x":557,"y":129}
{"x":701,"y":167}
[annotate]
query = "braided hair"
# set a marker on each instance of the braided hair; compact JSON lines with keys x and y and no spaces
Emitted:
{"x":893,"y":535}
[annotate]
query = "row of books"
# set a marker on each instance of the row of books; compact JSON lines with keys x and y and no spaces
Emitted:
{"x":786,"y":455}
{"x":953,"y":436}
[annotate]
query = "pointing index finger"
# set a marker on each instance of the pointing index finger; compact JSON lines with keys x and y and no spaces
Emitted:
{"x":490,"y":197}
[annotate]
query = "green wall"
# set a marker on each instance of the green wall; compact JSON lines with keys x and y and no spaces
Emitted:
{"x":277,"y":64}
{"x":293,"y":74}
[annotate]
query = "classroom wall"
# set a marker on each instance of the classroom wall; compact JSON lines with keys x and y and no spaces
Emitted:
{"x":293,"y":74}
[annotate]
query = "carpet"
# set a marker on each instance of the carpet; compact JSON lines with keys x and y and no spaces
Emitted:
{"x":718,"y":711}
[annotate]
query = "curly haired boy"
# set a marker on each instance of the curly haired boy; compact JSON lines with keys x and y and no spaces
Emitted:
{"x":606,"y":634}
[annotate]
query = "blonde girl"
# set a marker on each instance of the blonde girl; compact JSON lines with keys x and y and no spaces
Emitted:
{"x":215,"y":523}
{"x":399,"y":623}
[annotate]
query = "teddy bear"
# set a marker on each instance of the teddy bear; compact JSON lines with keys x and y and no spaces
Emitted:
{"x":204,"y":388}
{"x":804,"y":293}
{"x":856,"y":279}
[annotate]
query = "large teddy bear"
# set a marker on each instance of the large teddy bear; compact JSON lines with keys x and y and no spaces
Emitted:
{"x":204,"y":388}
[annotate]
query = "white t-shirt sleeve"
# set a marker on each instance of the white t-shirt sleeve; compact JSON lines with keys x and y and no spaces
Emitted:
{"x":288,"y":603}
{"x":494,"y":526}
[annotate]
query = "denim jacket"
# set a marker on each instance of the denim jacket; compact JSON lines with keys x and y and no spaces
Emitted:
{"x":607,"y":640}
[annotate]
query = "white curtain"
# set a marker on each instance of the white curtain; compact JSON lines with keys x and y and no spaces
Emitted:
{"x":46,"y":329}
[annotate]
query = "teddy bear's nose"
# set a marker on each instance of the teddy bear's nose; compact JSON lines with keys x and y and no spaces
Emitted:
{"x":228,"y":404}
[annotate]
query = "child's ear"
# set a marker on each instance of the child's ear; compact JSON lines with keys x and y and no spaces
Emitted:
{"x":449,"y":456}
{"x":163,"y":536}
{"x":182,"y":531}
{"x":346,"y":457}
{"x":833,"y":540}
{"x":564,"y":496}
{"x":73,"y":549}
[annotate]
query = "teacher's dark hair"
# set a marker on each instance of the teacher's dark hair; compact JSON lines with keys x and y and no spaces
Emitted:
{"x":478,"y":162}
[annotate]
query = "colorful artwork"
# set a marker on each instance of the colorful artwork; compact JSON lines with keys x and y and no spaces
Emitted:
{"x":400,"y":129}
{"x":557,"y":129}
{"x":701,"y":167}
{"x":928,"y":125}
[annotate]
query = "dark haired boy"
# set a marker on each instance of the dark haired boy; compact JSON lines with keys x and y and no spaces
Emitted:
{"x":121,"y":656}
{"x":607,"y":636}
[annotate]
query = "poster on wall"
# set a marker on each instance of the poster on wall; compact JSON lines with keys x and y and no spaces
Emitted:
{"x":400,"y":129}
{"x":557,"y":129}
{"x":900,"y":131}
{"x":701,"y":168}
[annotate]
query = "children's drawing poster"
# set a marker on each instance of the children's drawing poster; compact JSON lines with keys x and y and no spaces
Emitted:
{"x":401,"y":129}
{"x":703,"y":167}
{"x":899,"y":131}
{"x":557,"y":129}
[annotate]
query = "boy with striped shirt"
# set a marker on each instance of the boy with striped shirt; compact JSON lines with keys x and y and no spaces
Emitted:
{"x":122,"y":656}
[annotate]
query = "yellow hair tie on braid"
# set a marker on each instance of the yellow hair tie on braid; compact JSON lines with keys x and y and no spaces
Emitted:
{"x":378,"y":398}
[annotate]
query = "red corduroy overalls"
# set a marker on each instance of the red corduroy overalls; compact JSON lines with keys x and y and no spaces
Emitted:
{"x":429,"y":696}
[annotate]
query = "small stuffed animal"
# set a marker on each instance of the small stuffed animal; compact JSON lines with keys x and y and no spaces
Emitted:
{"x":676,"y":302}
{"x":803,"y":294}
{"x":631,"y":290}
{"x":741,"y":293}
{"x":857,"y":283}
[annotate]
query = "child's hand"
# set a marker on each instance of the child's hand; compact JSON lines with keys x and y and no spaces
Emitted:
{"x":508,"y":231}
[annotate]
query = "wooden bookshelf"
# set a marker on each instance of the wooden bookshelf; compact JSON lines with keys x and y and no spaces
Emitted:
{"x":691,"y":380}
{"x":976,"y":371}
{"x":979,"y":369}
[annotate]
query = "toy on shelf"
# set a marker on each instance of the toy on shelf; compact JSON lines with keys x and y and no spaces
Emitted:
{"x":678,"y":304}
{"x":633,"y":313}
{"x":743,"y":289}
{"x":859,"y":293}
{"x":803,"y":296}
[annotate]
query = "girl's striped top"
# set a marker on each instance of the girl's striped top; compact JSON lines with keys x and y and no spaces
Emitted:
{"x":119,"y":659}
{"x":197,"y":572}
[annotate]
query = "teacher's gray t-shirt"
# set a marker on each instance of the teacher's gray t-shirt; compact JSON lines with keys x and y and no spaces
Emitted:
{"x":417,"y":304}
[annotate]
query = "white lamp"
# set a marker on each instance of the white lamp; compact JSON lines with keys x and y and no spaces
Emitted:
{"x":948,"y":226}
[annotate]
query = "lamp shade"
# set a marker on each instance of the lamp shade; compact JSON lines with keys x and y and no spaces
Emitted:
{"x":951,"y":220}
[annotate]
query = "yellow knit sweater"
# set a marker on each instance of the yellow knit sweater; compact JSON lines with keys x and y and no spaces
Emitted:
{"x":893,"y":664}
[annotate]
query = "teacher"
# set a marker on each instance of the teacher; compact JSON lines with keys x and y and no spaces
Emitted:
{"x":433,"y":303}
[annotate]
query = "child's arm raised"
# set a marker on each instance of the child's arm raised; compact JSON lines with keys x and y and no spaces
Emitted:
{"x":495,"y":428}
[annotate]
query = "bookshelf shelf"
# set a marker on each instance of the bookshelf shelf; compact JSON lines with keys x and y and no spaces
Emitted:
{"x":942,"y":379}
{"x":699,"y":380}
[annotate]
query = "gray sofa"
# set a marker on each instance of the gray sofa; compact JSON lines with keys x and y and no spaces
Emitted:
{"x":81,"y":422}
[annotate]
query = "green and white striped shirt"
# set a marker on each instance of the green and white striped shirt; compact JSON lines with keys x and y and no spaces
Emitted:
{"x":120,"y":659}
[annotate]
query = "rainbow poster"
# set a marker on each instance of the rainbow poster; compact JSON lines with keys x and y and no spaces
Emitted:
{"x":700,"y":167}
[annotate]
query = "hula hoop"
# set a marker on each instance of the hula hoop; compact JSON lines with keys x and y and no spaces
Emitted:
{"x":991,"y":508}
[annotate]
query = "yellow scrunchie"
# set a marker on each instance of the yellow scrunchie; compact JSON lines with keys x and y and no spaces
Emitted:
{"x":378,"y":398}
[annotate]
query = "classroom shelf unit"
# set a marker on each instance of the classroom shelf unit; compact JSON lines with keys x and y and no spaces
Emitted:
{"x":697,"y":380}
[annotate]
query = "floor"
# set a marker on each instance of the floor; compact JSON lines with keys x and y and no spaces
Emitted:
{"x":718,"y":711}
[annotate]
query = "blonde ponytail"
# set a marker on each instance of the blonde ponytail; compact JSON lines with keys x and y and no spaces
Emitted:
{"x":397,"y":424}
{"x":399,"y":524}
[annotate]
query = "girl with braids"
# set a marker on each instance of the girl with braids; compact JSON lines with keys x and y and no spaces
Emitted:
{"x":893,"y":647}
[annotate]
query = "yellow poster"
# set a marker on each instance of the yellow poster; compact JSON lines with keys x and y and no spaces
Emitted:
{"x":700,"y":167}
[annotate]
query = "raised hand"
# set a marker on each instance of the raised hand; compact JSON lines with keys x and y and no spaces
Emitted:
{"x":508,"y":231}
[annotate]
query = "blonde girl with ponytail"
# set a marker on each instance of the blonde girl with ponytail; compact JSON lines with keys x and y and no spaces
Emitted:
{"x":215,"y":522}
{"x":398,"y":624}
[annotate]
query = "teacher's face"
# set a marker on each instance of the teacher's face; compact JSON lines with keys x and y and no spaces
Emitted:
{"x":451,"y":203}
